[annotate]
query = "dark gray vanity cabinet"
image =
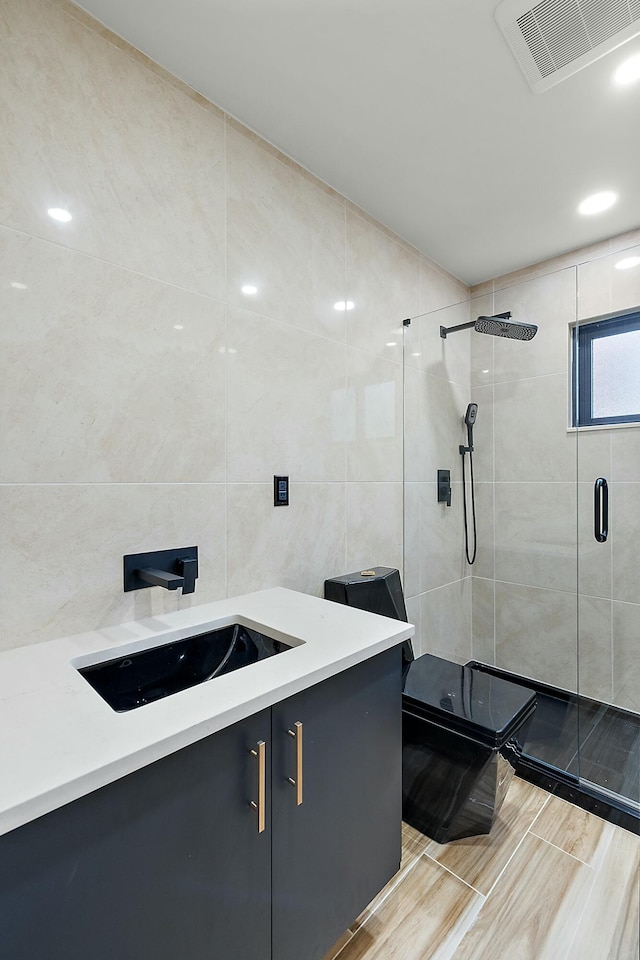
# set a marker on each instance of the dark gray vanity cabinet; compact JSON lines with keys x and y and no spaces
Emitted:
{"x":333,"y":852}
{"x":163,"y":864}
{"x":168,"y":862}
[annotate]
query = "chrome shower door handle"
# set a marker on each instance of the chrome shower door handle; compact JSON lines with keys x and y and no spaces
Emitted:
{"x":601,"y":510}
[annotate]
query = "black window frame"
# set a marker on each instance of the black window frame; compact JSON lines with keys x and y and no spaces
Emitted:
{"x":583,"y":336}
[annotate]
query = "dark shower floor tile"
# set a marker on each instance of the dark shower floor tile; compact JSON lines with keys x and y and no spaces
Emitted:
{"x":610,"y":753}
{"x":557,"y":747}
{"x":594,"y":741}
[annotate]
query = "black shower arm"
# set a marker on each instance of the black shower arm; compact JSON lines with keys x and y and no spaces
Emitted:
{"x":467,"y":326}
{"x":461,"y":326}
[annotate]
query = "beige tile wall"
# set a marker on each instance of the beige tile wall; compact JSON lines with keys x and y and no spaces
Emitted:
{"x":549,"y":601}
{"x":146,"y":402}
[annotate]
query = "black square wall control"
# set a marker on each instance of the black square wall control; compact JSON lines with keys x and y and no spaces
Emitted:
{"x":281,"y":491}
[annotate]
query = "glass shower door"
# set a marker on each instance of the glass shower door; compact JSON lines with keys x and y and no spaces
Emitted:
{"x":513,"y":611}
{"x":606,"y":399}
{"x":533,"y":485}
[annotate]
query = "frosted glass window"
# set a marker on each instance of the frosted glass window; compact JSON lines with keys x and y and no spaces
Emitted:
{"x":615,"y":375}
{"x":606,"y":371}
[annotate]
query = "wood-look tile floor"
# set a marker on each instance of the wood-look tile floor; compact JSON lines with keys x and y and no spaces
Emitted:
{"x":551,"y":882}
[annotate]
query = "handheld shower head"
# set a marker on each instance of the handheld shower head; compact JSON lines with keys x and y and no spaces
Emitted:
{"x":501,"y":326}
{"x":470,"y":419}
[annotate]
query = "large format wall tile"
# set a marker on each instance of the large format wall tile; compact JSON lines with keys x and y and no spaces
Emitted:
{"x":286,"y":414}
{"x":63,"y":547}
{"x":482,"y":345}
{"x":445,"y":620}
{"x":298,"y":546}
{"x":438,"y":288}
{"x":285,"y":237}
{"x":413,"y":547}
{"x":485,"y":562}
{"x":595,"y":648}
{"x":535,"y":534}
{"x":415,"y":427}
{"x":536,"y":634}
{"x":372,"y":417}
{"x":530,"y":424}
{"x":603,"y":289}
{"x":445,"y":358}
{"x":594,"y":454}
{"x":549,"y":302}
{"x":483,"y":642}
{"x":625,"y":454}
{"x":99,"y":385}
{"x":383,"y":283}
{"x":26,"y":18}
{"x":374,"y":526}
{"x":138,"y":164}
{"x":413,"y":605}
{"x":433,"y":425}
{"x":624,"y":518}
{"x":626,"y":661}
{"x":434,"y":537}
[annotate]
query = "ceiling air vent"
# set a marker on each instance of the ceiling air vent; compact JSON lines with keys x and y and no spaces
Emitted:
{"x":556,"y":38}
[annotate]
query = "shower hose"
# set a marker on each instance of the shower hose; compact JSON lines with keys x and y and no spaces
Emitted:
{"x":470,"y":558}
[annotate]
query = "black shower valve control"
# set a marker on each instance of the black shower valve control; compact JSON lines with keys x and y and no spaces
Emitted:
{"x":444,"y":487}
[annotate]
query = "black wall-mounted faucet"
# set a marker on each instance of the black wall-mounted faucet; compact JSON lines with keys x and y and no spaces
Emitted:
{"x":170,"y":569}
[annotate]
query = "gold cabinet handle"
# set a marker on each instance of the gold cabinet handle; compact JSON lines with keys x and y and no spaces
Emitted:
{"x":296,"y":733}
{"x":260,"y":806}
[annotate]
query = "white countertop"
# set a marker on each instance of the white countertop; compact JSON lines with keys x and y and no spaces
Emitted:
{"x":61,"y":740}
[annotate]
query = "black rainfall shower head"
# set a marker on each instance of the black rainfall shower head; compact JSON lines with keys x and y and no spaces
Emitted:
{"x":501,"y":326}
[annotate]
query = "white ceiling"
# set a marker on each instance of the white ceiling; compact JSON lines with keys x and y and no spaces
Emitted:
{"x":417,"y":111}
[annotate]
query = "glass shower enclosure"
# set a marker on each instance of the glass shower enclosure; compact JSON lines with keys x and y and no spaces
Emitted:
{"x":552,"y":598}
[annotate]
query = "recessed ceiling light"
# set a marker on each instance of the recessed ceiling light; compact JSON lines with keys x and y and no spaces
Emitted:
{"x":344,"y":305}
{"x":628,"y":71}
{"x":249,"y":290}
{"x":18,"y":286}
{"x":57,"y":213}
{"x":627,"y":263}
{"x":392,"y":343}
{"x":485,"y":371}
{"x":597,"y":202}
{"x":416,"y":354}
{"x":178,"y":326}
